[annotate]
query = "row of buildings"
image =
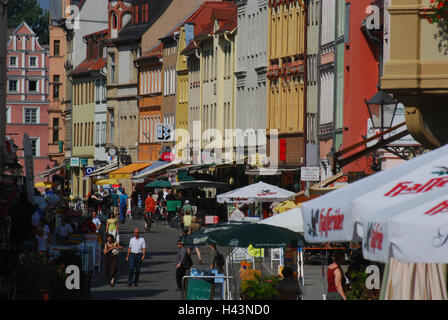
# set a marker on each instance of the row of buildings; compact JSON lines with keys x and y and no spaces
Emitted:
{"x":122,"y":75}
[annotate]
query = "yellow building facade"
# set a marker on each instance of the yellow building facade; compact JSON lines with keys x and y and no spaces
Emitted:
{"x":417,"y":70}
{"x":83,"y":133}
{"x":286,"y":86}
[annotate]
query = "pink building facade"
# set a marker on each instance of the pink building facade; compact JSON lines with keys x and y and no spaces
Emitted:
{"x":27,"y":95}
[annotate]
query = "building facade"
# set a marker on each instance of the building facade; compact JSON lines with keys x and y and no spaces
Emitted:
{"x":312,"y":81}
{"x":27,"y":95}
{"x":251,"y":65}
{"x":286,"y":85}
{"x":88,"y":113}
{"x":149,"y":103}
{"x":416,"y":71}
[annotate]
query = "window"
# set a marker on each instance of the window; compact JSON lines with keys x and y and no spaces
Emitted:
{"x":13,"y":61}
{"x":31,"y":115}
{"x":32,"y":85}
{"x":112,"y":126}
{"x":12,"y":87}
{"x":8,"y":114}
{"x":55,"y":130}
{"x":97,"y":134}
{"x":347,"y":23}
{"x":114,"y":21}
{"x":112,"y":67}
{"x":103,"y":133}
{"x":56,"y":47}
{"x":56,"y":84}
{"x":33,"y":61}
{"x":35,"y":146}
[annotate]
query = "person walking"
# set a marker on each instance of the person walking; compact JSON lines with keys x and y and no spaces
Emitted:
{"x":96,"y":221}
{"x":183,"y":263}
{"x":135,"y":257}
{"x":335,"y":278}
{"x":123,"y":205}
{"x":111,"y":250}
{"x":150,"y":207}
{"x":112,"y":227}
{"x":216,"y":258}
{"x":115,"y":198}
{"x":194,"y":227}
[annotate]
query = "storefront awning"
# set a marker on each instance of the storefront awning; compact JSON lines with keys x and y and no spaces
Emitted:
{"x":126,"y":172}
{"x":104,"y":170}
{"x":51,"y":171}
{"x":156,"y":167}
{"x":200,"y":184}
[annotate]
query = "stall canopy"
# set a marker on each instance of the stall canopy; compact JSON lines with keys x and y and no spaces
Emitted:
{"x":199,"y":184}
{"x":257,"y":192}
{"x":156,"y":167}
{"x":104,"y":170}
{"x":331,"y":218}
{"x":291,"y":219}
{"x":126,"y":172}
{"x":159,"y":184}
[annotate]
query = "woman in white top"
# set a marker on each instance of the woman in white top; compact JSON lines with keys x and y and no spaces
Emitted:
{"x":42,"y":242}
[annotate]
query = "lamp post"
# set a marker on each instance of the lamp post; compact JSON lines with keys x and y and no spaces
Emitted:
{"x":382,"y":108}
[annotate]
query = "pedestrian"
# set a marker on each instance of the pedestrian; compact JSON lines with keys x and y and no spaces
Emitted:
{"x":96,"y":221}
{"x":135,"y":257}
{"x":112,"y":227}
{"x":217,"y":259}
{"x":63,"y":231}
{"x":115,"y":198}
{"x":150,"y":207}
{"x":111,"y":250}
{"x":186,"y":221}
{"x":194,"y":227}
{"x":42,"y":242}
{"x":35,"y":219}
{"x":123,"y":205}
{"x":183,"y":263}
{"x":289,"y":286}
{"x":335,"y":277}
{"x":170,"y":196}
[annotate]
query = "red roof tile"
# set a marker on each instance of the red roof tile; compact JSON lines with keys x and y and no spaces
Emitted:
{"x":89,"y":66}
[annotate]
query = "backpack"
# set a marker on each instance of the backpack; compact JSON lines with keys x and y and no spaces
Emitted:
{"x":220,"y":261}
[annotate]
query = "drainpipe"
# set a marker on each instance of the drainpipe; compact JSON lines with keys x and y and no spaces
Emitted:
{"x":305,"y":78}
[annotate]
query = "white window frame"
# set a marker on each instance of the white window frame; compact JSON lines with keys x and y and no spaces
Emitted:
{"x":17,"y":85}
{"x":16,"y":58}
{"x":37,"y":86}
{"x":8,"y":114}
{"x":29,"y":62}
{"x":37,"y":115}
{"x":37,"y":139}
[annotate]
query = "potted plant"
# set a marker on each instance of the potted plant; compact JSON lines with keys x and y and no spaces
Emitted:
{"x":259,"y":288}
{"x":36,"y":278}
{"x":438,"y":14}
{"x":358,"y":290}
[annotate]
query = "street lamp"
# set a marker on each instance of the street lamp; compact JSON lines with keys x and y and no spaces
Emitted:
{"x":382,"y":109}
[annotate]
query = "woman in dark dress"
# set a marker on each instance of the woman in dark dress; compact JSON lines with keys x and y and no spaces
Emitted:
{"x":111,"y":249}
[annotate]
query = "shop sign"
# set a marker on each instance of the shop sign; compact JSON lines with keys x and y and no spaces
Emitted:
{"x":89,"y":170}
{"x":74,"y":162}
{"x":310,"y":174}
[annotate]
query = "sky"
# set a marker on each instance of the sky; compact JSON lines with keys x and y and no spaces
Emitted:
{"x":44,"y":4}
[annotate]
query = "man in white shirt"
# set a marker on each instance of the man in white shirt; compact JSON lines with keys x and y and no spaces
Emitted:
{"x":96,"y":221}
{"x":135,"y":257}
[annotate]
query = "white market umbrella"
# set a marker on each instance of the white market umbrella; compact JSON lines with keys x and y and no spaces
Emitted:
{"x":331,"y":218}
{"x":257,"y":192}
{"x":412,"y":232}
{"x":291,"y":219}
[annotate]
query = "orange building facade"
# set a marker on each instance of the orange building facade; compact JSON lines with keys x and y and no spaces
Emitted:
{"x":149,"y":103}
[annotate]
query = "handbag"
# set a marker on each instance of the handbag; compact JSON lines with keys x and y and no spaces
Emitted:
{"x":115,"y":252}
